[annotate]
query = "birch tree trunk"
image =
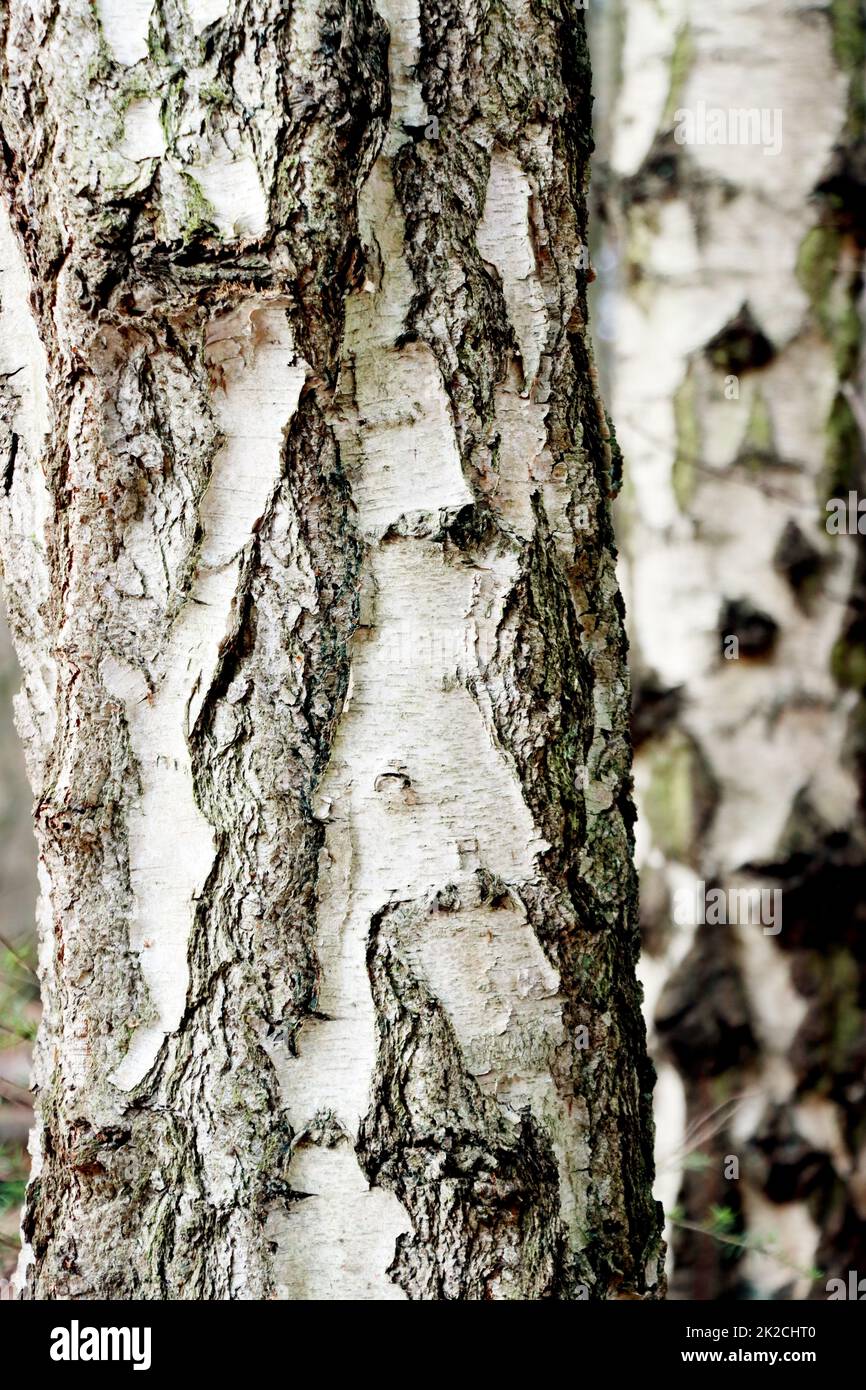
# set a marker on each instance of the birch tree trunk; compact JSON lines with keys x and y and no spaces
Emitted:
{"x":738,"y":388}
{"x":308,"y":556}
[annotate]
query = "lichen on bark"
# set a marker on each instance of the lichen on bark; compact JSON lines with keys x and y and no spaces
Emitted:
{"x":325,"y":670}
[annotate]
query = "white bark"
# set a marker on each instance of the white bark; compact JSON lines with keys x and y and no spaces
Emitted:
{"x":735,"y":434}
{"x":338,"y":958}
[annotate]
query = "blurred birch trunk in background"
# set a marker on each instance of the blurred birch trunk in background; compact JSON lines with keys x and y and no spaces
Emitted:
{"x":734,"y":195}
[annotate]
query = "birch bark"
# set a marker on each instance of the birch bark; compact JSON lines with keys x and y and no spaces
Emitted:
{"x":738,"y":387}
{"x":308,"y":556}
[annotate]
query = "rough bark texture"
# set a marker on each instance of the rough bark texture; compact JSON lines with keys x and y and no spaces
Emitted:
{"x":738,"y":377}
{"x":308,"y":557}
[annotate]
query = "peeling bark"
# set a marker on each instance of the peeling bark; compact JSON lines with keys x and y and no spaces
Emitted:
{"x":308,"y":557}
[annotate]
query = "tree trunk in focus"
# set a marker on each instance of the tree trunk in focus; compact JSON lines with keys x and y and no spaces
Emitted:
{"x":738,"y":374}
{"x":308,"y":557}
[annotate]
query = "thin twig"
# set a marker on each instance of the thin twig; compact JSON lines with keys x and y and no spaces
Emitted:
{"x":744,"y":1244}
{"x":28,"y":1099}
{"x":20,"y":959}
